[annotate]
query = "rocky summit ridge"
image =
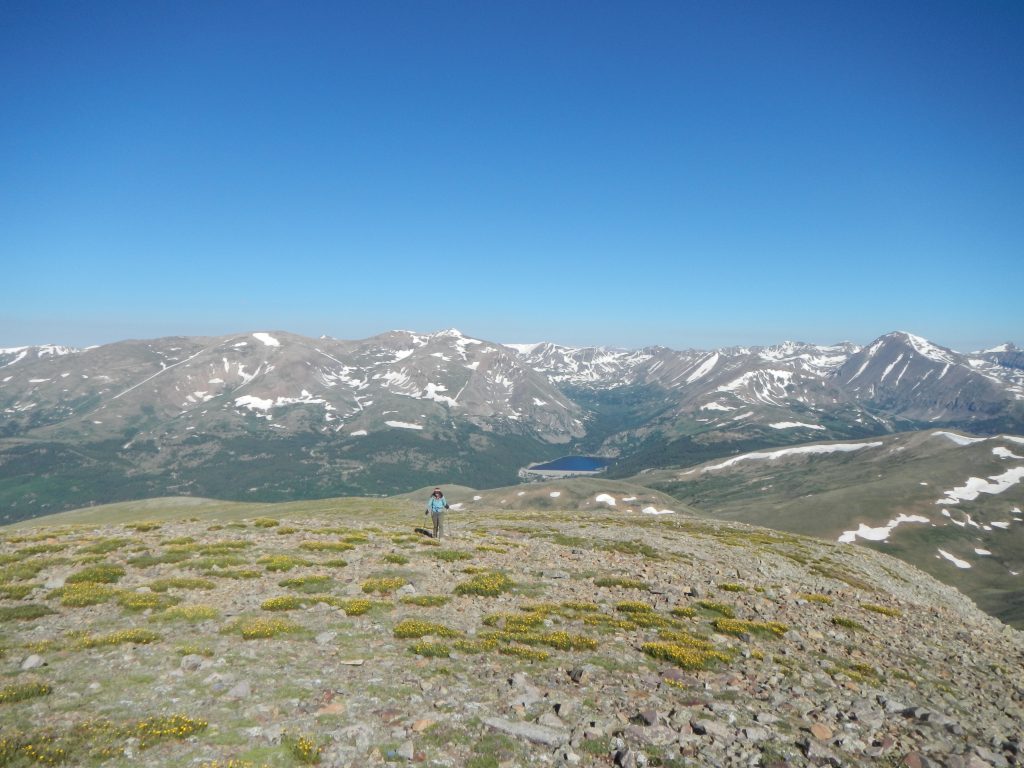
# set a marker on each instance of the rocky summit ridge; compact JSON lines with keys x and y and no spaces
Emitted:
{"x":336,"y":633}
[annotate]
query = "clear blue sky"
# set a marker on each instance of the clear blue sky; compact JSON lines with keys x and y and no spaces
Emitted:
{"x":691,"y":174}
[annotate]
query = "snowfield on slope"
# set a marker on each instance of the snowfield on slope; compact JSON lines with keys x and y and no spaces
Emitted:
{"x":882,"y":532}
{"x":797,"y":451}
{"x":975,"y":485}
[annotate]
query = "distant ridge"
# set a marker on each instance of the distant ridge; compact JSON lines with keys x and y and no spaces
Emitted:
{"x":271,"y":416}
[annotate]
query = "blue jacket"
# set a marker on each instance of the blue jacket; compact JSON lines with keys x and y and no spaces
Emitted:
{"x":437,"y":506}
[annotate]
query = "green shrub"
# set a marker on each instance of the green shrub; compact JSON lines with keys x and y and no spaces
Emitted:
{"x":141,"y":601}
{"x":355,"y":606}
{"x":384,"y":584}
{"x":425,"y":601}
{"x":189,"y":613}
{"x":133,"y":636}
{"x":618,"y":581}
{"x":309,"y":584}
{"x":451,"y":555}
{"x":22,"y":691}
{"x":882,"y":609}
{"x":105,"y":573}
{"x":409,"y":628}
{"x":302,"y":748}
{"x":685,"y":656}
{"x":260,"y":628}
{"x":104,"y":546}
{"x":144,"y":527}
{"x":524,"y":652}
{"x":277,"y":563}
{"x":16,"y":591}
{"x":82,"y":595}
{"x":156,"y":729}
{"x":741,"y":627}
{"x":27,"y":612}
{"x":841,"y":621}
{"x":632,"y":606}
{"x":236,"y":573}
{"x":429,"y":649}
{"x":147,"y":560}
{"x":326,"y":546}
{"x":485,"y":585}
{"x":719,"y":608}
{"x":180,"y":582}
{"x":817,"y":598}
{"x":282,"y":603}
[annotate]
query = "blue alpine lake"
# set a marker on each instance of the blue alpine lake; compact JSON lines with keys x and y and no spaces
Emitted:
{"x":574,"y":464}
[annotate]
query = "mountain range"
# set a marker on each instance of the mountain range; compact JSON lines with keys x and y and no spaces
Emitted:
{"x":268,"y":416}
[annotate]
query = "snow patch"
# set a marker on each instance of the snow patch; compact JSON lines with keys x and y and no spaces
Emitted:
{"x":1005,"y":453}
{"x":403,"y":425}
{"x":960,"y":439}
{"x":604,"y":498}
{"x":253,"y":403}
{"x":716,"y":407}
{"x":433,"y":393}
{"x":975,"y":485}
{"x":359,"y":433}
{"x":954,"y":560}
{"x":1002,"y":525}
{"x":882,"y":532}
{"x":794,"y":425}
{"x":656,"y":511}
{"x":927,"y":349}
{"x":982,"y":552}
{"x":555,"y":494}
{"x":263,"y":404}
{"x":266,"y":338}
{"x":704,"y":369}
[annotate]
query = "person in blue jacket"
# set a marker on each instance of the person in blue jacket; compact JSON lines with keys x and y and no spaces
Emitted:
{"x":435,"y":508}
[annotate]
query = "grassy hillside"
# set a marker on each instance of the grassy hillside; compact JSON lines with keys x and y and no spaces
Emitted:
{"x":220,"y":635}
{"x":827,"y":495}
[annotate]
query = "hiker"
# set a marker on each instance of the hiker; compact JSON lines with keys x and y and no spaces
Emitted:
{"x":435,"y":508}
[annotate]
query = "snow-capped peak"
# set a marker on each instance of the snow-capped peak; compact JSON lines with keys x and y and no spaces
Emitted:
{"x":925,"y":348}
